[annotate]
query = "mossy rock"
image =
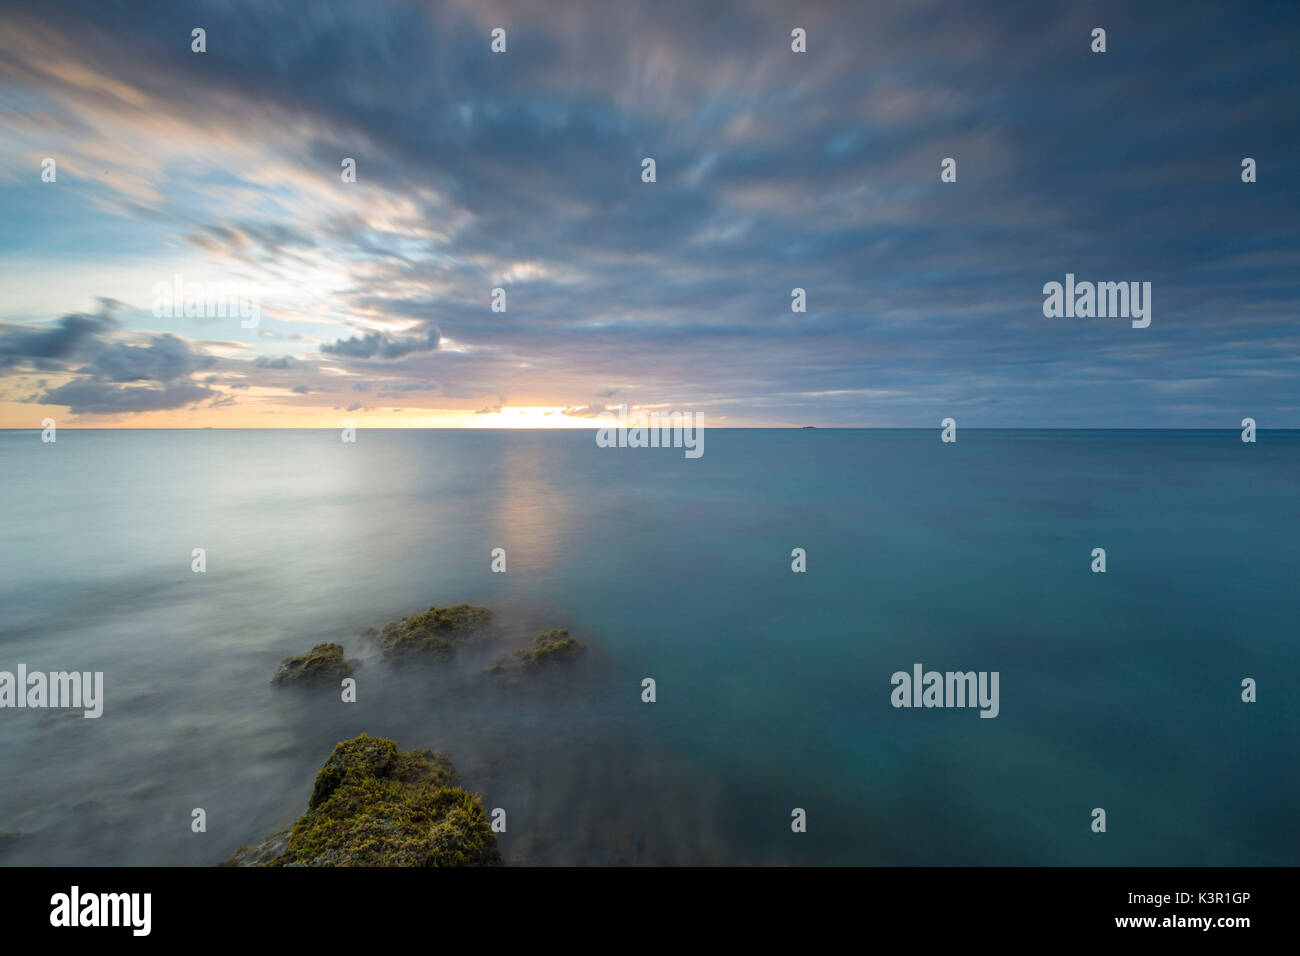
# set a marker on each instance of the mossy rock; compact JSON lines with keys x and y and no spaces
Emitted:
{"x":264,"y":854}
{"x":375,"y":806}
{"x":433,"y":633}
{"x":553,"y":647}
{"x":365,"y":756}
{"x":323,"y":663}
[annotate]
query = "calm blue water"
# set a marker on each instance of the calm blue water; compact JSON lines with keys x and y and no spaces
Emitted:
{"x":1119,"y":691}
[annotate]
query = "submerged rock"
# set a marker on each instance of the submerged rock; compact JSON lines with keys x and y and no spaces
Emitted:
{"x":375,"y":806}
{"x":433,"y":633}
{"x":547,"y":649}
{"x":324,"y":662}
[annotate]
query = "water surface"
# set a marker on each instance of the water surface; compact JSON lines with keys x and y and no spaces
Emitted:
{"x":1119,"y":690}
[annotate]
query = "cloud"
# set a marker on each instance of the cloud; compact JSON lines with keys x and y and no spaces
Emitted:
{"x":49,"y":348}
{"x":165,"y":358}
{"x":103,"y":398}
{"x":278,"y":362}
{"x":384,"y":345}
{"x":584,"y":411}
{"x":595,"y":409}
{"x":102,"y":386}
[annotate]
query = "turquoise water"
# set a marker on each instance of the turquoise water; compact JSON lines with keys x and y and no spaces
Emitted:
{"x":1118,"y":690}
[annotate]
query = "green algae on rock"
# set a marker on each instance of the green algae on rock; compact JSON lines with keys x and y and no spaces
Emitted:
{"x":324,"y":662}
{"x":433,"y":633}
{"x":375,"y":806}
{"x":550,"y":648}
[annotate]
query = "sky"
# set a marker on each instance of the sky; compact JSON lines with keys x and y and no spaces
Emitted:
{"x":522,"y":171}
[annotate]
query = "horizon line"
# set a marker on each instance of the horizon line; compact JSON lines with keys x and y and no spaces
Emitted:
{"x":503,"y":428}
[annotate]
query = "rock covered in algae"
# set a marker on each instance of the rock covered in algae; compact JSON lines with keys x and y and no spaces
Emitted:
{"x":324,"y":662}
{"x":433,"y":633}
{"x":375,"y":806}
{"x":550,"y":648}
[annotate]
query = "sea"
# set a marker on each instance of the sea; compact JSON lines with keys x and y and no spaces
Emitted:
{"x":772,"y":737}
